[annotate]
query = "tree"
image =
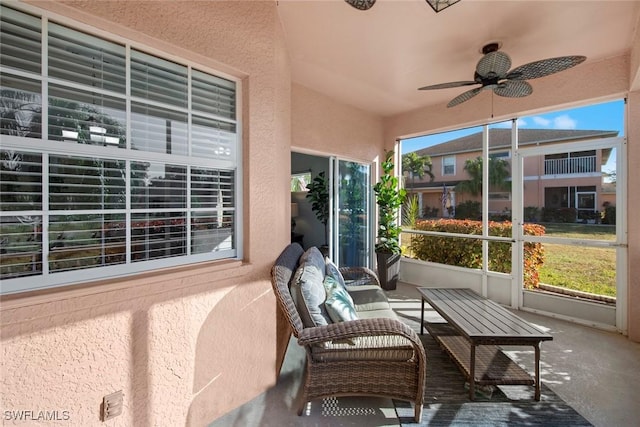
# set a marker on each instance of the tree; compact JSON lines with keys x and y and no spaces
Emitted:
{"x":417,"y":166}
{"x":498,"y":174}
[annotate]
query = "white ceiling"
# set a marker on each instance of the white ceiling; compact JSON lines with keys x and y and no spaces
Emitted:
{"x":376,"y":59}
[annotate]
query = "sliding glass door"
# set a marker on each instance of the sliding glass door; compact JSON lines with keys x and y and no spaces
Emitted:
{"x":351,"y":213}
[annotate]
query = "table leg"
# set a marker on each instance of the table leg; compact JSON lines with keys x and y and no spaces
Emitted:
{"x":537,"y":351}
{"x":472,"y":373}
{"x":422,"y":317}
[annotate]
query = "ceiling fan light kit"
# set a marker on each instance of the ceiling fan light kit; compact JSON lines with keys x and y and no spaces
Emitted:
{"x":439,"y":5}
{"x":492,"y":73}
{"x":436,"y":5}
{"x":361,"y":4}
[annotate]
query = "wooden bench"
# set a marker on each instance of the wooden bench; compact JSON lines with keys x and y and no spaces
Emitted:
{"x":476,"y":327}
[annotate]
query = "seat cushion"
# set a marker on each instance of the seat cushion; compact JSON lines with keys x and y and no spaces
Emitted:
{"x":374,"y":314}
{"x":338,"y":304}
{"x":368,"y":297}
{"x":378,"y":348}
{"x":307,"y":289}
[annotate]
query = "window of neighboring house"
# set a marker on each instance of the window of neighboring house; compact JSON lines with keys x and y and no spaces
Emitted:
{"x":113,"y":160}
{"x":500,"y":155}
{"x":449,"y":165}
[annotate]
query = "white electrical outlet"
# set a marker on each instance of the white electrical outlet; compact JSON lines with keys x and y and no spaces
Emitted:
{"x":112,"y":405}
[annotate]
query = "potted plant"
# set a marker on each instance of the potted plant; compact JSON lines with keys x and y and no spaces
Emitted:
{"x":389,"y":198}
{"x":319,"y":196}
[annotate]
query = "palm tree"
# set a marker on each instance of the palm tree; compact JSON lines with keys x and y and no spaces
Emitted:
{"x":498,"y":174}
{"x":417,"y":166}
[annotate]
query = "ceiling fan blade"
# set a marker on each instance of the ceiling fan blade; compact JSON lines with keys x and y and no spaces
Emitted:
{"x":544,"y":67}
{"x":465,"y":96}
{"x":448,"y":85}
{"x":493,"y":64}
{"x":513,"y":89}
{"x":361,"y":4}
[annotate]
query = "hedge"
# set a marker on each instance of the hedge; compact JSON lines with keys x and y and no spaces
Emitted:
{"x":465,"y":252}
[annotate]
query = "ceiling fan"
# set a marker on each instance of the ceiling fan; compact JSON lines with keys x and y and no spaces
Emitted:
{"x":492,"y":73}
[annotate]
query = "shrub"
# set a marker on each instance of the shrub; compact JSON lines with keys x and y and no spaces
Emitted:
{"x":429,"y":212}
{"x":563,"y":215}
{"x":609,"y":215}
{"x":465,"y":252}
{"x":532,"y":214}
{"x":469,"y":210}
{"x":505,"y":215}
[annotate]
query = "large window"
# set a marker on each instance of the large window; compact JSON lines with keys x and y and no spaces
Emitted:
{"x":113,"y":160}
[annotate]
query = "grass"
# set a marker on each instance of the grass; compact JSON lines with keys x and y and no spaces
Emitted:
{"x":580,"y":268}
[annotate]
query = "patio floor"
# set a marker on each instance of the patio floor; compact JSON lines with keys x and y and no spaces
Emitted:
{"x":594,"y":371}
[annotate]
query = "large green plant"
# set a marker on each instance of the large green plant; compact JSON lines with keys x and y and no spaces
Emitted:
{"x":319,"y":196}
{"x":389,"y":198}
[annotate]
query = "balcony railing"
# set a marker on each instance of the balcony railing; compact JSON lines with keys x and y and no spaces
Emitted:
{"x":571,"y":165}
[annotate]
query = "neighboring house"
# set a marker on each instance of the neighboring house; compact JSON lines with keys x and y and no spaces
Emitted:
{"x":555,"y":181}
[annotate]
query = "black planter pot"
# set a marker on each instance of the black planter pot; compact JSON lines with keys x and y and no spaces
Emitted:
{"x":388,"y":269}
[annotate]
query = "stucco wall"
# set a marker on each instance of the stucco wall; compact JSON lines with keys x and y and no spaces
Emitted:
{"x":323,"y":126}
{"x":185,"y":345}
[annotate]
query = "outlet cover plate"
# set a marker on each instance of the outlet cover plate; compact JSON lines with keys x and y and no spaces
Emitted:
{"x":112,"y":405}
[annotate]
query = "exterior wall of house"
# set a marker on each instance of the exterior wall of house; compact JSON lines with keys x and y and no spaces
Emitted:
{"x":188,"y":344}
{"x":534,"y":175}
{"x":590,"y":82}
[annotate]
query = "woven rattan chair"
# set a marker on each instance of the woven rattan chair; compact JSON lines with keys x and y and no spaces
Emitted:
{"x":363,"y":357}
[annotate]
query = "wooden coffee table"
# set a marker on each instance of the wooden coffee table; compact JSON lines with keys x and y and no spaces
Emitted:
{"x":477,"y":327}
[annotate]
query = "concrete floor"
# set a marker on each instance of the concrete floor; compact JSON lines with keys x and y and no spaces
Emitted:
{"x":596,"y":372}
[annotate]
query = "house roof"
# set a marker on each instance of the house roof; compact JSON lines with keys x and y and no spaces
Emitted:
{"x":501,"y":138}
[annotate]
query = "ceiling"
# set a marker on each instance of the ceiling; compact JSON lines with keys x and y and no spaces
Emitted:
{"x":376,"y":59}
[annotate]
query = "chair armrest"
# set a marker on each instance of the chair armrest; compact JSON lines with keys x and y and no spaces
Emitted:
{"x":359,"y":276}
{"x":360,"y":328}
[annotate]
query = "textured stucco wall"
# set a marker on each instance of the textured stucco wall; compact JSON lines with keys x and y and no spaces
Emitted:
{"x":322,"y":125}
{"x":185,"y":345}
{"x":634,"y":75}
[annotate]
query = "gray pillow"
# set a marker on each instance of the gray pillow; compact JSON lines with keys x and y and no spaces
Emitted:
{"x":307,"y":290}
{"x":314,"y":257}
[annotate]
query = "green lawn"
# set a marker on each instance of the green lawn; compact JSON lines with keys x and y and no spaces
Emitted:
{"x":580,"y":268}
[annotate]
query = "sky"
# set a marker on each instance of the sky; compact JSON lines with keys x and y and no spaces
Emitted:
{"x":604,"y":116}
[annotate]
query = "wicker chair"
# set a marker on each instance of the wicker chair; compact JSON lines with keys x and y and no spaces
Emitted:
{"x":383,"y":357}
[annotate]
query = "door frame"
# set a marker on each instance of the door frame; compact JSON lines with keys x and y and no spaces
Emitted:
{"x":334,"y":220}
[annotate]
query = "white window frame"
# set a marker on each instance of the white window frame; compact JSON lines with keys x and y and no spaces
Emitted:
{"x":444,"y":165}
{"x":45,"y":147}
